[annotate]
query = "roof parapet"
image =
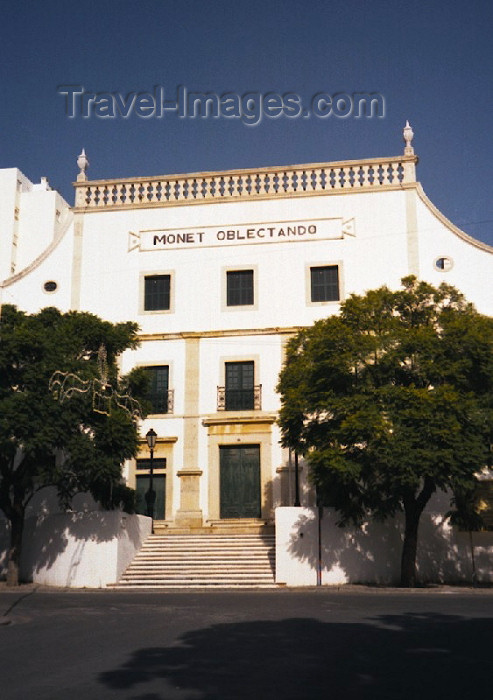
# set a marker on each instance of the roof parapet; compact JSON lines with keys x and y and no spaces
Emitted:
{"x":256,"y":183}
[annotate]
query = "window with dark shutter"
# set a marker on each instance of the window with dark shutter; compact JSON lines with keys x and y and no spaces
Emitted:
{"x":324,"y":283}
{"x":157,"y":293}
{"x":158,"y":391}
{"x":239,"y":288}
{"x":239,"y":386}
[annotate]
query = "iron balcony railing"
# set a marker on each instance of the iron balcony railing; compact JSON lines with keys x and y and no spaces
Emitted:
{"x":239,"y":399}
{"x":163,"y":401}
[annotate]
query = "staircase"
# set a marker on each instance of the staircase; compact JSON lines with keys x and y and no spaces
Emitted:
{"x":203,"y":561}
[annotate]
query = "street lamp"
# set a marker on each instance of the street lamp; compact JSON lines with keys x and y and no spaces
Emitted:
{"x":150,"y":496}
{"x":296,"y":503}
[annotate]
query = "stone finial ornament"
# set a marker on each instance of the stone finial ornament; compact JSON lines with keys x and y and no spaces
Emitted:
{"x":82,"y":164}
{"x":408,"y":135}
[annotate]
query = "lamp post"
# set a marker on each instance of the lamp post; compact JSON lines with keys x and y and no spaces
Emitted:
{"x":150,"y":496}
{"x":296,"y":503}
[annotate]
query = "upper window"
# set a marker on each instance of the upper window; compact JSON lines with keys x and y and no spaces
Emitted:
{"x":157,"y":292}
{"x":158,"y":393}
{"x":324,"y":283}
{"x":239,"y":386}
{"x":239,"y":288}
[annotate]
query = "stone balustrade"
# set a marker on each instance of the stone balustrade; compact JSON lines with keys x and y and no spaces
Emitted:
{"x":259,"y":183}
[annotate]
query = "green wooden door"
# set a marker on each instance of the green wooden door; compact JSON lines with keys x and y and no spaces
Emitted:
{"x":240,"y":481}
{"x":159,"y":486}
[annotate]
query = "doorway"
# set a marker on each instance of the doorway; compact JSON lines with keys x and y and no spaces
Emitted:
{"x":239,"y":481}
{"x":159,"y":486}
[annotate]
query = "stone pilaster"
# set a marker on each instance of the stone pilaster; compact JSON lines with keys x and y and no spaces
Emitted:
{"x":190,"y":513}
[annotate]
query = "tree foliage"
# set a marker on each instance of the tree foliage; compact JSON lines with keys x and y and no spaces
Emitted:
{"x":390,"y":401}
{"x":46,"y":442}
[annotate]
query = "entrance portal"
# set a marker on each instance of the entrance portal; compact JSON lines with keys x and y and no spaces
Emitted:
{"x":239,"y":481}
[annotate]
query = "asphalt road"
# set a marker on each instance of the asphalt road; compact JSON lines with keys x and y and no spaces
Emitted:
{"x":229,"y":645}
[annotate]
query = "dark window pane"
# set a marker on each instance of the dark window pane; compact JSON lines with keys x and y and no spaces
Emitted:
{"x":443,"y":264}
{"x":159,"y":486}
{"x":157,"y":463}
{"x":239,"y":287}
{"x":325,"y":283}
{"x":156,"y":295}
{"x":239,"y":386}
{"x":158,"y":388}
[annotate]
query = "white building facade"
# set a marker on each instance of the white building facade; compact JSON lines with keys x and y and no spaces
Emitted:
{"x":219,"y":270}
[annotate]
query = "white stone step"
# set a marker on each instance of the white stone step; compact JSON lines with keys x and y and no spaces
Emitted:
{"x":203,"y":561}
{"x":192,"y":584}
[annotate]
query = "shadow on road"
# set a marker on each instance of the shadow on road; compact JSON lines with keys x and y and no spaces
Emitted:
{"x":412,"y":656}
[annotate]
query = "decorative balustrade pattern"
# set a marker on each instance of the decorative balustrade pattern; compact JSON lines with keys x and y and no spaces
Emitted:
{"x":260,"y":183}
{"x":239,"y":399}
{"x":162,"y":401}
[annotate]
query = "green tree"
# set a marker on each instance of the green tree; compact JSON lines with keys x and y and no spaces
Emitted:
{"x":390,"y":401}
{"x":66,"y":444}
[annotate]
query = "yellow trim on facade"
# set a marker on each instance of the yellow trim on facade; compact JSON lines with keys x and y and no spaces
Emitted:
{"x":230,"y":333}
{"x":256,"y":420}
{"x":159,"y":441}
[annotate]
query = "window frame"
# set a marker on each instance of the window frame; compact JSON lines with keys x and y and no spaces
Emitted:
{"x":155,"y":274}
{"x":155,"y":367}
{"x":225,"y":272}
{"x":238,"y":405}
{"x":309,"y":287}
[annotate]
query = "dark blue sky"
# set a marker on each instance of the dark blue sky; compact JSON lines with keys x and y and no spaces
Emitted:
{"x":432,"y":62}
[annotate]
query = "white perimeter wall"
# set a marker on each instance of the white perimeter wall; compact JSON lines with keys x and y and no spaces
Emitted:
{"x":77,"y":550}
{"x":371,"y":554}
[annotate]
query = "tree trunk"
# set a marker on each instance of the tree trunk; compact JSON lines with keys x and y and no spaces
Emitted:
{"x":410,"y":548}
{"x":14,"y":555}
{"x":413,"y":509}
